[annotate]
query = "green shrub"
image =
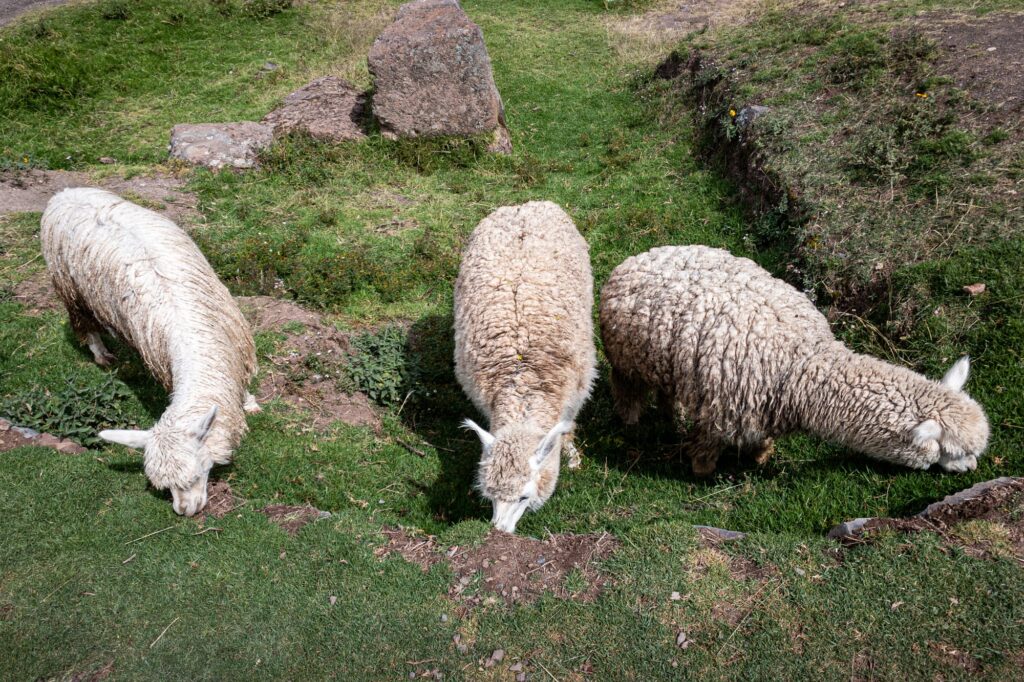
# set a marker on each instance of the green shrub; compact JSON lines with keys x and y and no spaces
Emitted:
{"x":77,"y":411}
{"x":378,"y":366}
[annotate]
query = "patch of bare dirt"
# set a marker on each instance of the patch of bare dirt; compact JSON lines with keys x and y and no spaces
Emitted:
{"x":97,"y":675}
{"x":985,"y":57}
{"x":512,"y":568}
{"x":999,"y":502}
{"x":36,"y":293}
{"x":12,"y":436}
{"x":667,"y":23}
{"x":220,"y":500}
{"x":954,"y":657}
{"x":293,"y":518}
{"x":305,"y":372}
{"x":22,"y":191}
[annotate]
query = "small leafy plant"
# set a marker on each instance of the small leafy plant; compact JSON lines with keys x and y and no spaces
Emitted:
{"x":76,"y":411}
{"x":378,"y":366}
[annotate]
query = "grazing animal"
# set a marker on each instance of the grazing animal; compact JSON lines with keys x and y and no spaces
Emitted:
{"x":746,"y":357}
{"x":120,"y":267}
{"x":524,"y":349}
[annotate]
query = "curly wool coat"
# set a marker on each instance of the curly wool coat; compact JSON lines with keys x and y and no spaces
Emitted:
{"x":747,"y":357}
{"x":524,"y":339}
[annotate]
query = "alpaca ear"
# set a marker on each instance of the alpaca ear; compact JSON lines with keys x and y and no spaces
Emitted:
{"x":956,"y":377}
{"x":547,"y":445}
{"x":201,"y":429}
{"x":927,"y":431}
{"x":132,"y":438}
{"x":485,"y":437}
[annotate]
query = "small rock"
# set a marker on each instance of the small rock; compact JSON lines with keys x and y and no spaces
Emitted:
{"x":498,"y":655}
{"x":69,"y":447}
{"x":5,"y":425}
{"x":521,"y":677}
{"x":107,"y":160}
{"x":682,"y":641}
{"x":270,"y":66}
{"x":26,"y":432}
{"x":462,"y":648}
{"x":333,"y":599}
{"x":47,"y":440}
{"x":747,"y":115}
{"x":975,"y":289}
{"x":675,"y":596}
{"x":444,"y":617}
{"x":800,"y":572}
{"x":412,"y":675}
{"x":220,"y":145}
{"x":515,"y":668}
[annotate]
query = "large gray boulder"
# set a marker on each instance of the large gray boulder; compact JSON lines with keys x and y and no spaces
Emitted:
{"x":329,"y":108}
{"x":432,"y":76}
{"x":220,"y":145}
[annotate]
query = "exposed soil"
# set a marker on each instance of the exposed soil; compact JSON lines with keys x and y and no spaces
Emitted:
{"x":36,"y":293}
{"x":12,"y":9}
{"x":985,"y":57}
{"x":292,"y":518}
{"x":954,"y":657}
{"x":12,"y":437}
{"x":999,"y":502}
{"x":97,"y":675}
{"x":512,"y":568}
{"x":22,"y":191}
{"x":672,"y":21}
{"x":220,"y":500}
{"x":305,"y":372}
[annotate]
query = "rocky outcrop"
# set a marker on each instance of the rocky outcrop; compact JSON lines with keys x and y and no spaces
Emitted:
{"x":329,"y":109}
{"x":432,"y":76}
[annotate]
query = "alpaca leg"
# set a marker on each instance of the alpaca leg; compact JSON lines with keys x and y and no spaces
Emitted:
{"x":572,"y":455}
{"x":704,"y":450}
{"x":629,"y":396}
{"x":764,"y":450}
{"x":250,"y":404}
{"x":87,"y":329}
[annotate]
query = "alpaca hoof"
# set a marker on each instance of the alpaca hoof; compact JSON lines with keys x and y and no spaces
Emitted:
{"x":104,"y":358}
{"x":251,"y":406}
{"x":960,"y":465}
{"x":573,"y":455}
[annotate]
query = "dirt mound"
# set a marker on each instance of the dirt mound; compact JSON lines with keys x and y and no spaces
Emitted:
{"x":220,"y":500}
{"x":23,"y":191}
{"x":985,"y":57}
{"x":305,"y":372}
{"x":512,"y":568}
{"x":997,"y":504}
{"x":292,"y":518}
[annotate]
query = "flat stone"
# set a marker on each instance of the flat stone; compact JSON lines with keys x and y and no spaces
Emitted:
{"x":432,"y":76}
{"x":220,"y":145}
{"x":956,"y":499}
{"x":329,"y":108}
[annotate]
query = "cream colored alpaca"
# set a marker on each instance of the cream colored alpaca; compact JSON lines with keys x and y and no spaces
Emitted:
{"x":746,"y":357}
{"x":524,"y":349}
{"x":123,"y":268}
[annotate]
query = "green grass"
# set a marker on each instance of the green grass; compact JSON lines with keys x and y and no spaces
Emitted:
{"x":371,"y":232}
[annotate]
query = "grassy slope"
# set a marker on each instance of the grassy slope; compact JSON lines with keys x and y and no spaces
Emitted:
{"x":584,"y":137}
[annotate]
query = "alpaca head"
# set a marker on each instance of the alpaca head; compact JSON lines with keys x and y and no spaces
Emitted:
{"x":518,"y":469}
{"x":175,"y":456}
{"x":958,"y":433}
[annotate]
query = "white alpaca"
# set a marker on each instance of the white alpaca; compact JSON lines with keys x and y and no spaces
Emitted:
{"x":123,"y":268}
{"x":524,"y":349}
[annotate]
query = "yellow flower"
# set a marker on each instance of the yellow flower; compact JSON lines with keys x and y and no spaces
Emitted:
{"x":922,"y":95}
{"x":732,"y":112}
